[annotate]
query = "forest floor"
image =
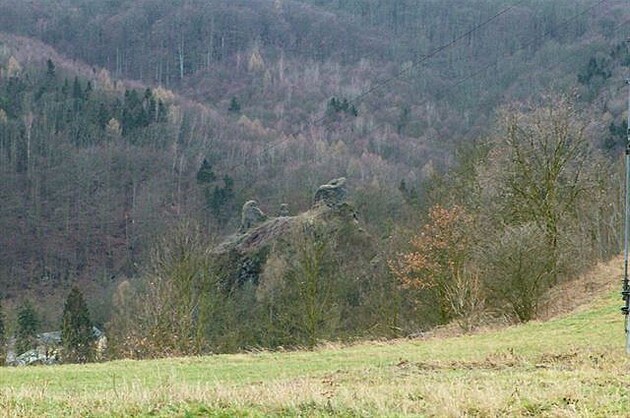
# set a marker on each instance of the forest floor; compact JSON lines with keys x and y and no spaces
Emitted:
{"x":573,"y":364}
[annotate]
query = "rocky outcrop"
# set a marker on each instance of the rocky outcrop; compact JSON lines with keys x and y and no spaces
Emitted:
{"x":251,"y":215}
{"x":332,"y":194}
{"x":257,"y":229}
{"x":242,"y":256}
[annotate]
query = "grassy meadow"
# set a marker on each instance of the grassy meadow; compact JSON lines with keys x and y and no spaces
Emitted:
{"x":573,"y":364}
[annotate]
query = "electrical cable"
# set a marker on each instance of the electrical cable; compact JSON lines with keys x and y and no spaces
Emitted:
{"x":380,"y":84}
{"x":537,"y":38}
{"x":377,"y":85}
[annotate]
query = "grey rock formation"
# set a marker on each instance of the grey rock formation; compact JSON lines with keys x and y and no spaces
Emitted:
{"x":332,"y":194}
{"x":251,"y":215}
{"x":284,"y":210}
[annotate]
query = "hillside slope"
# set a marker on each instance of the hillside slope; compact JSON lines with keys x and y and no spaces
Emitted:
{"x":571,"y":365}
{"x":253,"y":84}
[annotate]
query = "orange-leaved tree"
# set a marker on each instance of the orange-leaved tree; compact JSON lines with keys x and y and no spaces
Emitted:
{"x":441,"y":259}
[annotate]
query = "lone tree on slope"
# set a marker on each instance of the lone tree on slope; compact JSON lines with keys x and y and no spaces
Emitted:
{"x":77,"y":336}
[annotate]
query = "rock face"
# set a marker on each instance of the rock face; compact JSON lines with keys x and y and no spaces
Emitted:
{"x":332,"y":194}
{"x":241,"y":258}
{"x":251,"y":215}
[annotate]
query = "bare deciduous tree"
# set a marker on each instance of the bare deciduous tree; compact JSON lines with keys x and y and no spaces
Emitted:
{"x":541,"y":155}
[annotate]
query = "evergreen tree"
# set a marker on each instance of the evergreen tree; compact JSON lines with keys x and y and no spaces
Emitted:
{"x":50,"y":70}
{"x":205,"y":174}
{"x":77,"y":90}
{"x":27,"y":325}
{"x":335,"y":106}
{"x":134,"y":114}
{"x":65,"y":89}
{"x":77,"y":336}
{"x":221,"y":199}
{"x":235,"y":106}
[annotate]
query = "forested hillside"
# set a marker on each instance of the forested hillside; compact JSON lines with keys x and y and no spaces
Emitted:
{"x":121,"y":121}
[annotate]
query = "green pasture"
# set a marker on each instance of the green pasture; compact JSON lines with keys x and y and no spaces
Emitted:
{"x":574,"y":365}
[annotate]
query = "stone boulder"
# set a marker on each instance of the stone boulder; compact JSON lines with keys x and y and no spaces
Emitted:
{"x":332,"y":194}
{"x":251,"y":215}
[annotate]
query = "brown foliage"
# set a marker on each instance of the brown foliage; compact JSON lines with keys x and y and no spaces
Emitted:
{"x":440,"y":259}
{"x":438,"y":250}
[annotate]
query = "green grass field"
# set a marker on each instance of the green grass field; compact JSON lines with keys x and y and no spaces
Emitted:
{"x":571,"y":365}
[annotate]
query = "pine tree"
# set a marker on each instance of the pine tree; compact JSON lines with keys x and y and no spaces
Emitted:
{"x":27,"y":324}
{"x":205,"y":174}
{"x":77,"y":90}
{"x":235,"y":106}
{"x":77,"y":336}
{"x":50,"y":70}
{"x":221,"y":198}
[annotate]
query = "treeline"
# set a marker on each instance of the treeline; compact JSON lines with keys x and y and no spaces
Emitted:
{"x":95,"y":171}
{"x":525,"y":209}
{"x":69,"y":174}
{"x":92,"y":171}
{"x":73,"y":109}
{"x":283,"y":60}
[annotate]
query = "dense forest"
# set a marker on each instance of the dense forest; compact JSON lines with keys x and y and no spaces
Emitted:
{"x":480,"y":141}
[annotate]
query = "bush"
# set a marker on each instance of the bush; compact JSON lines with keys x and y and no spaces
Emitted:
{"x":518,"y":270}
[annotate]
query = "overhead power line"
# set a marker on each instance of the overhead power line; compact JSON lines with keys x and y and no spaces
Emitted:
{"x":524,"y":46}
{"x":421,"y":61}
{"x":382,"y":83}
{"x":554,"y":64}
{"x":424,"y":59}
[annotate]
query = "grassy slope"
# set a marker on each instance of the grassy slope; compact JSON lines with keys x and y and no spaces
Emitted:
{"x":572,"y":365}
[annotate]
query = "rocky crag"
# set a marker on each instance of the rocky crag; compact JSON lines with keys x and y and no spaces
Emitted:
{"x":242,"y":257}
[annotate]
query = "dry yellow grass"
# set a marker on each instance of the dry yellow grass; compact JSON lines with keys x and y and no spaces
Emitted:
{"x":577,"y":294}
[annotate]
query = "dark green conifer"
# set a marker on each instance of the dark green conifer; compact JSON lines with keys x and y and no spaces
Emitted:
{"x":77,"y":335}
{"x":50,"y":69}
{"x":205,"y":175}
{"x":27,"y":325}
{"x":77,"y":90}
{"x":235,"y":106}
